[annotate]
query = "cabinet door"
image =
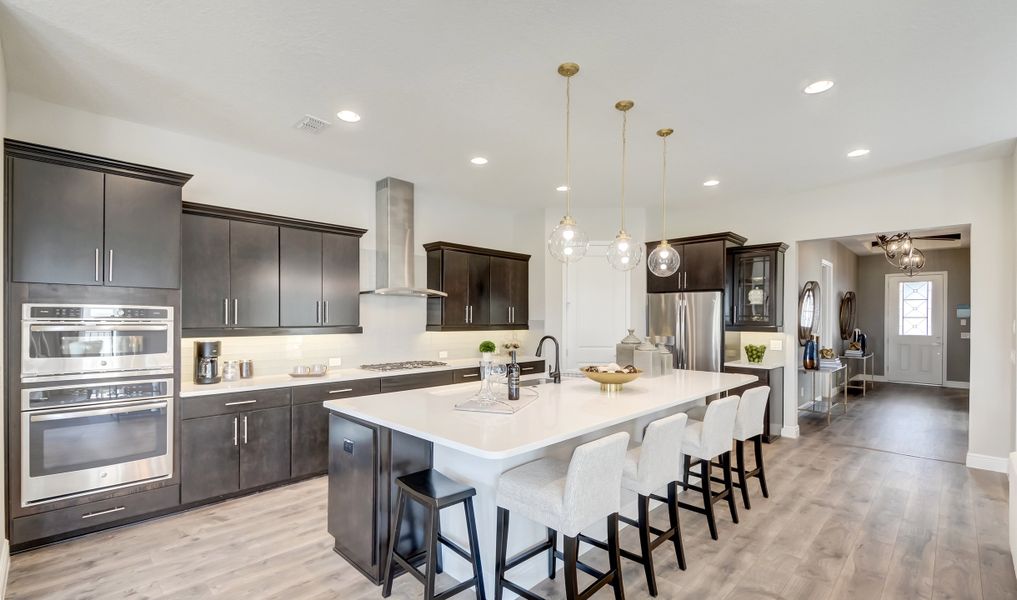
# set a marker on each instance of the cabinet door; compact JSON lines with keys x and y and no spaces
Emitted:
{"x":209,"y":454}
{"x":752,"y":301}
{"x":353,"y":466}
{"x":56,"y":233}
{"x":703,"y":265}
{"x":341,"y":279}
{"x":501,"y":290}
{"x":254,"y":274}
{"x":455,"y":273}
{"x":520,"y":292}
{"x":299,"y":278}
{"x":666,"y":285}
{"x":480,"y":289}
{"x":308,"y":439}
{"x":142,"y":233}
{"x":264,"y":446}
{"x":205,"y":288}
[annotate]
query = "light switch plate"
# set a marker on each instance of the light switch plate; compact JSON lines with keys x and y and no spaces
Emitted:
{"x":964,"y":322}
{"x":965,"y":335}
{"x":777,"y":345}
{"x":335,"y":361}
{"x":443,"y":354}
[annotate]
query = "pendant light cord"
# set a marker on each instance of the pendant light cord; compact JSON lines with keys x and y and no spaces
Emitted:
{"x":625,"y":126}
{"x":663,"y":193}
{"x":568,"y":146}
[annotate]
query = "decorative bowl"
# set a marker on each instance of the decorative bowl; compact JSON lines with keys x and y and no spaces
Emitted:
{"x":612,"y":382}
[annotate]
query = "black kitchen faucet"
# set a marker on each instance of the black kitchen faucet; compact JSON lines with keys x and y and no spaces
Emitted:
{"x":556,"y":373}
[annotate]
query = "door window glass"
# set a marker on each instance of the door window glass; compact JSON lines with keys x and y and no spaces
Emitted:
{"x":915,"y":308}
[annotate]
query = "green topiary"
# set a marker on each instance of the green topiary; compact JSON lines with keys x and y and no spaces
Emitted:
{"x":487,"y":346}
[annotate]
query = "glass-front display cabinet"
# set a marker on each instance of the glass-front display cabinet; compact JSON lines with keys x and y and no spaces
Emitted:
{"x":755,"y":289}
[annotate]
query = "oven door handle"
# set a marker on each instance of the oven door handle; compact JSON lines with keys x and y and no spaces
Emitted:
{"x":109,"y":327}
{"x":77,"y":414}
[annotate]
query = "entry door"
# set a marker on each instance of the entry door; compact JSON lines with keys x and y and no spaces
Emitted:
{"x":915,"y":324}
{"x":596,"y":308}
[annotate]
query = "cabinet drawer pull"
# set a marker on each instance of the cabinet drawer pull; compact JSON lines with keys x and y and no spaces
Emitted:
{"x":342,"y":391}
{"x":524,"y":369}
{"x":238,"y":402}
{"x":99,"y":513}
{"x":465,"y":375}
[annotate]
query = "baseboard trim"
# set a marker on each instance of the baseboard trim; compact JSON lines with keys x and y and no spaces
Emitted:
{"x":957,"y":385}
{"x":5,"y":567}
{"x":792,"y":431}
{"x":985,"y":462}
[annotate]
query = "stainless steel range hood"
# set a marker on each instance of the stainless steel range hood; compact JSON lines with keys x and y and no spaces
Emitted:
{"x":393,"y":231}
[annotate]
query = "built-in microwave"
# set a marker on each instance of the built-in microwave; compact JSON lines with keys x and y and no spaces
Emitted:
{"x":65,"y":341}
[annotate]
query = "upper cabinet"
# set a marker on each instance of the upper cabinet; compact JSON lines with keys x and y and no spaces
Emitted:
{"x":487,"y":289}
{"x":86,"y":220}
{"x":756,"y":288}
{"x":251,"y":274}
{"x":703,"y":264}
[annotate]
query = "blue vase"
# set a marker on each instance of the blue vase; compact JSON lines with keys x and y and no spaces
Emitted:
{"x":810,"y":356}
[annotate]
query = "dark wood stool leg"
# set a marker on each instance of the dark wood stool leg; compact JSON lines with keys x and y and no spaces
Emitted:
{"x":552,"y":555}
{"x":571,"y":557}
{"x":740,"y":466}
{"x":393,"y":541}
{"x":757,"y":442}
{"x":711,"y":519}
{"x":644,"y":543}
{"x":431,"y":539}
{"x":614,"y":556}
{"x":672,"y":513}
{"x":478,"y":570}
{"x":500,"y":551}
{"x":729,"y":486}
{"x":440,"y":566}
{"x":685,"y":472}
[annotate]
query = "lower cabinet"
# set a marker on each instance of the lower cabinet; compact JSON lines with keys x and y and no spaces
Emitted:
{"x":309,"y":439}
{"x":264,"y":447}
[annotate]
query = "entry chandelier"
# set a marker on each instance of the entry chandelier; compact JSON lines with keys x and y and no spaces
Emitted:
{"x":624,"y":254}
{"x":901,"y":252}
{"x":567,"y":242}
{"x":664,"y":260}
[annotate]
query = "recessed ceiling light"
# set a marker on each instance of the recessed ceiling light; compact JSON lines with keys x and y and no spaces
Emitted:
{"x":562,"y":188}
{"x":818,"y":87}
{"x":478,"y":160}
{"x":711,"y":182}
{"x":348,"y":115}
{"x":858,"y":152}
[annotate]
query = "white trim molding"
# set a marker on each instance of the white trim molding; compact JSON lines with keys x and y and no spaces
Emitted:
{"x":985,"y":462}
{"x":5,"y":567}
{"x":958,"y":385}
{"x":1013,"y":508}
{"x":790,"y":431}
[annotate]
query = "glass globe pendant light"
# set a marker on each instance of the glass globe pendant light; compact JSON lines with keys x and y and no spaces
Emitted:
{"x":624,"y":254}
{"x":567,"y":243}
{"x":664,"y":260}
{"x":912,"y":262}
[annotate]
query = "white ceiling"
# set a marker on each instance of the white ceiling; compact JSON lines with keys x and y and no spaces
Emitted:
{"x":438,"y":82}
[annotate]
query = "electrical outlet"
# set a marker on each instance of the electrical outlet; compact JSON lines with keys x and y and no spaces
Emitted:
{"x":777,"y":345}
{"x":335,"y":362}
{"x":443,"y":354}
{"x":965,"y":335}
{"x":964,"y":322}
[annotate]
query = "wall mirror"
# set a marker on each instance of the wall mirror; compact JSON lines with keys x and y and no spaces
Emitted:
{"x":808,"y":311}
{"x":847,"y":315}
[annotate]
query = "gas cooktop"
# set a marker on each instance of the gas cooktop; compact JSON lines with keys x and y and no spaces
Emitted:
{"x":400,"y":366}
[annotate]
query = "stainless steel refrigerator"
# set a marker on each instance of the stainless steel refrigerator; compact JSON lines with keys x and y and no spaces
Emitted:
{"x":691,"y":325}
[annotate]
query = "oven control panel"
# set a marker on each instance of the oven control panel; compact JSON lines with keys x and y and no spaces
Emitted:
{"x":94,"y":312}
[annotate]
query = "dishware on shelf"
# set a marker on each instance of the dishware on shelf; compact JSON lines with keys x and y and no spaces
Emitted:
{"x":612,"y":380}
{"x":309,"y":371}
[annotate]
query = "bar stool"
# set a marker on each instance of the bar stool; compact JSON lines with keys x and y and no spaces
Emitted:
{"x":435,"y":491}
{"x":704,"y":441}
{"x":564,"y":497}
{"x":748,"y":428}
{"x":648,"y":468}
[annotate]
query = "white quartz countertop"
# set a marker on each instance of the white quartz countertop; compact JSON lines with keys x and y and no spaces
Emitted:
{"x":561,"y":412}
{"x":766,"y":365}
{"x":190,"y":389}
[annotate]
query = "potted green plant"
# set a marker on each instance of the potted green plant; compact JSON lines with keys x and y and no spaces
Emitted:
{"x":487,"y":350}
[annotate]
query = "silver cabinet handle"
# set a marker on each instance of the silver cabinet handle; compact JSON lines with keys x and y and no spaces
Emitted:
{"x":524,"y":369}
{"x":111,"y":264}
{"x":58,"y":415}
{"x":99,"y":513}
{"x":342,"y":391}
{"x":234,"y":431}
{"x":470,"y":311}
{"x":97,"y":264}
{"x":317,"y":311}
{"x":245,"y":429}
{"x":239,"y":402}
{"x":510,"y":314}
{"x":326,"y":313}
{"x":467,"y":375}
{"x":226,"y":311}
{"x":235,"y":310}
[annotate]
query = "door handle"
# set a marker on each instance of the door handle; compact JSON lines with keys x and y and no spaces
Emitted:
{"x":466,"y":313}
{"x":510,"y":314}
{"x":226,"y":311}
{"x":245,"y":429}
{"x":326,"y":313}
{"x":235,"y":310}
{"x":234,"y":431}
{"x":97,"y":264}
{"x":99,"y":513}
{"x":110,"y":264}
{"x":317,"y":311}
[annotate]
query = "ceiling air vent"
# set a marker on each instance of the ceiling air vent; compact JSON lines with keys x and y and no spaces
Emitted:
{"x":312,"y":124}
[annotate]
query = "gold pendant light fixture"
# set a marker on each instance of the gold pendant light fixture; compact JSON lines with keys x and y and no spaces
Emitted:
{"x":567,"y":242}
{"x":623,"y":253}
{"x":664,"y":260}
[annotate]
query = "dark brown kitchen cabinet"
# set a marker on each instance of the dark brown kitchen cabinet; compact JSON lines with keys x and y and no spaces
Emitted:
{"x":702,"y":267}
{"x":340,"y":280}
{"x":486,"y":289}
{"x":205,"y":287}
{"x":86,"y":220}
{"x":308,"y":439}
{"x":264,"y":446}
{"x":755,"y":288}
{"x":209,"y":455}
{"x":299,"y":277}
{"x":254,"y":275}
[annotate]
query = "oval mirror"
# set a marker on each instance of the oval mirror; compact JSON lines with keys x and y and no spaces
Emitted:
{"x":808,"y":311}
{"x":847,"y":315}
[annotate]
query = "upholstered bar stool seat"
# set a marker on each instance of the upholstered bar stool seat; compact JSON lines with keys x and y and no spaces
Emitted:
{"x":705,"y":441}
{"x":564,"y":497}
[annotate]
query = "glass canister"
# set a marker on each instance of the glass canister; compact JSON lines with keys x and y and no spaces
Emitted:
{"x":230,"y":370}
{"x":624,"y":350}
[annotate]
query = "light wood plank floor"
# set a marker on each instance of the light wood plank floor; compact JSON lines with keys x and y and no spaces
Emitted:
{"x":846,"y":519}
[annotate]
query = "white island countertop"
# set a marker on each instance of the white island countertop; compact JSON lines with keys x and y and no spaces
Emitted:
{"x":561,"y":412}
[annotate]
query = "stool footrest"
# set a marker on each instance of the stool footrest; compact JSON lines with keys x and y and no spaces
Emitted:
{"x":408,"y":568}
{"x":521,"y":591}
{"x":527,"y":554}
{"x":455,"y":547}
{"x":452,"y":591}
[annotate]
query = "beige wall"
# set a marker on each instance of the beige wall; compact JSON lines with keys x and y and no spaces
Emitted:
{"x":811,"y":255}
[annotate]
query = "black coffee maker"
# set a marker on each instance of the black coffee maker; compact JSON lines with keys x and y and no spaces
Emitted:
{"x":206,"y":362}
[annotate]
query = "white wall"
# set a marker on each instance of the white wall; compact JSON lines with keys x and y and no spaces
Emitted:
{"x":978,"y":193}
{"x":4,"y":556}
{"x":232,"y":176}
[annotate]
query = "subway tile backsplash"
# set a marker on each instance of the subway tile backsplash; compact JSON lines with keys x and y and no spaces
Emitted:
{"x":394,"y":330}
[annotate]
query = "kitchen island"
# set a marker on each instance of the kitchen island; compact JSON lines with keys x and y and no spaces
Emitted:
{"x":375,"y":439}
